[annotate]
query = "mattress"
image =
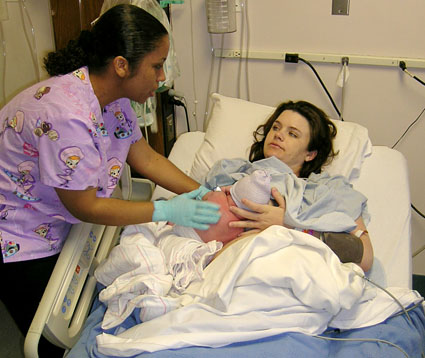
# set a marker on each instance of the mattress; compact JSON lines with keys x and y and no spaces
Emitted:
{"x":383,"y":180}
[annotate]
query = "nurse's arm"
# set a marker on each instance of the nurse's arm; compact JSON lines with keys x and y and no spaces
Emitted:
{"x":152,"y":165}
{"x":85,"y":206}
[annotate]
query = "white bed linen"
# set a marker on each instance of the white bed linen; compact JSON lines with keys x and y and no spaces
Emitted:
{"x":229,"y":135}
{"x":148,"y":270}
{"x":277,"y":281}
{"x":383,"y":180}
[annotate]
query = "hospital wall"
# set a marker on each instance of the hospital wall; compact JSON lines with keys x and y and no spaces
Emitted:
{"x":384,"y":99}
{"x":25,"y":31}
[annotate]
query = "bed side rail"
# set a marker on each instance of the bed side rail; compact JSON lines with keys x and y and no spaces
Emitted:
{"x":68,"y":296}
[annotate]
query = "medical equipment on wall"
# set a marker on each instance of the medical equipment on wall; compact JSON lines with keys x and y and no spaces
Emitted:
{"x":221,"y":19}
{"x":4,"y":15}
{"x":221,"y":16}
{"x":146,"y":115}
{"x":294,"y":58}
{"x":31,"y":42}
{"x":341,"y":82}
{"x":171,"y":66}
{"x":165,"y":3}
{"x":146,"y":112}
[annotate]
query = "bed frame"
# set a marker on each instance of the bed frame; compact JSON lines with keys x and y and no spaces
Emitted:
{"x":69,"y":293}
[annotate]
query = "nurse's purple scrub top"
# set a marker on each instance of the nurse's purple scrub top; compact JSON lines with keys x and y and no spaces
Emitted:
{"x":54,"y":135}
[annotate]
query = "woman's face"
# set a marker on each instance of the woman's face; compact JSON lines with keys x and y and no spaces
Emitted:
{"x":288,"y":140}
{"x":149,"y":73}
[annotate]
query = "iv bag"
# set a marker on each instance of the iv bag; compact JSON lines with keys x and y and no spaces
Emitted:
{"x":221,"y":16}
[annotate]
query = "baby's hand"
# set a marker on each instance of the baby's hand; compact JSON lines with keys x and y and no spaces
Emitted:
{"x":226,"y":189}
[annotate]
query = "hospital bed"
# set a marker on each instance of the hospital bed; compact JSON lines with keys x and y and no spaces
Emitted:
{"x":378,"y":172}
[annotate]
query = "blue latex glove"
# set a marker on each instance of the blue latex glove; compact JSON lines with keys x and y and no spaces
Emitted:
{"x":185,"y":211}
{"x":202,"y":191}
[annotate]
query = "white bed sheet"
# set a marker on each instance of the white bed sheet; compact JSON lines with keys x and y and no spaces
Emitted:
{"x":383,"y":179}
{"x":277,"y":281}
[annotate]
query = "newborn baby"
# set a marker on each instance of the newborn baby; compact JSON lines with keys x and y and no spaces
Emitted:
{"x":255,"y":187}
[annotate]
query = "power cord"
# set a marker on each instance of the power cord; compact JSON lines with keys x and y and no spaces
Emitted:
{"x":403,"y":311}
{"x":373,"y":340}
{"x":417,"y":211}
{"x":408,"y":128}
{"x":294,"y":58}
{"x":175,"y":99}
{"x":403,"y":67}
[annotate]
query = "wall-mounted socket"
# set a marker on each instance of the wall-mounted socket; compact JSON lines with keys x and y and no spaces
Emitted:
{"x":238,"y":5}
{"x":340,"y":7}
{"x":236,"y":54}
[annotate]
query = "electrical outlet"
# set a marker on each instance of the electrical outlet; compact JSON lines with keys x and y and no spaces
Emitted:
{"x":4,"y":15}
{"x":236,"y":54}
{"x":238,"y":6}
{"x":340,"y":7}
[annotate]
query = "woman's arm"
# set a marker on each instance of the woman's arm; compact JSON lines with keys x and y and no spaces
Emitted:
{"x":266,"y":215}
{"x":151,"y":165}
{"x":367,"y":259}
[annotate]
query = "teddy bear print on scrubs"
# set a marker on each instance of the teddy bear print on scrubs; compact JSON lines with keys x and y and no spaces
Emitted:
{"x":124,"y":128}
{"x":41,"y":92}
{"x":114,"y":170}
{"x":15,"y":123}
{"x":24,"y":181}
{"x":45,"y":128}
{"x":44,"y":231}
{"x":71,"y":156}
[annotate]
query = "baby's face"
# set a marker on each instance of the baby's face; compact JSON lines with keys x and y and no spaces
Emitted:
{"x":221,"y":231}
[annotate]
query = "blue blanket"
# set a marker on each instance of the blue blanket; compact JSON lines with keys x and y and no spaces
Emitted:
{"x":321,"y":202}
{"x":395,"y":337}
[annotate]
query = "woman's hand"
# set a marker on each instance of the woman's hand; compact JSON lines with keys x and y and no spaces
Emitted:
{"x":262,"y":216}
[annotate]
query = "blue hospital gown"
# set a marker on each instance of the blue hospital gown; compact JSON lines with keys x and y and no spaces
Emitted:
{"x":321,"y":202}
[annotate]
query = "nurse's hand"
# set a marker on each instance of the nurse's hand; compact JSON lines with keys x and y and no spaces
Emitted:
{"x":202,"y":191}
{"x":184,"y":210}
{"x":262,"y":216}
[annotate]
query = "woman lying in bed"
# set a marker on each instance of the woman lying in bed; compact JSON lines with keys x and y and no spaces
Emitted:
{"x":299,"y":135}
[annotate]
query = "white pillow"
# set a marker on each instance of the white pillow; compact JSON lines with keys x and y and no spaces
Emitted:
{"x":230,"y":130}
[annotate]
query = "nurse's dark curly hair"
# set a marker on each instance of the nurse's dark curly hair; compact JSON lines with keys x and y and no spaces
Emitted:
{"x":322,"y":133}
{"x":124,"y":30}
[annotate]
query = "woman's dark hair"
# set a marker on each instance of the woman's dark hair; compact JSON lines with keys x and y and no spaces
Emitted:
{"x":124,"y":30}
{"x":322,"y":133}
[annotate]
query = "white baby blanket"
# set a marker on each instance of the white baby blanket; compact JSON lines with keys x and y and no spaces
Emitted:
{"x":148,"y":270}
{"x":277,"y":281}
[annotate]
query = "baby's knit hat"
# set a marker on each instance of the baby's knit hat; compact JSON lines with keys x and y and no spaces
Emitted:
{"x":255,"y":187}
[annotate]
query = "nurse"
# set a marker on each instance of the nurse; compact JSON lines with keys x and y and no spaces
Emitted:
{"x":63,"y":143}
